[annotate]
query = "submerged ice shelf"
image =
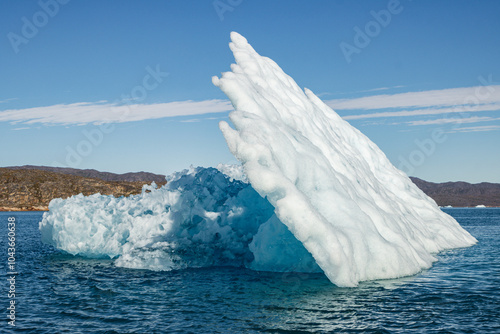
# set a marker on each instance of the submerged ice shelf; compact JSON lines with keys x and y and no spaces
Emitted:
{"x":320,"y":197}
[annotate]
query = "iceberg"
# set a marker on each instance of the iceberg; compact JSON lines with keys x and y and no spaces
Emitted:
{"x":312,"y":194}
{"x":201,"y":217}
{"x":336,"y":191}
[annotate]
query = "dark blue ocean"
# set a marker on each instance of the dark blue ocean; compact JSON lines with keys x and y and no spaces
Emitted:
{"x":59,"y":293}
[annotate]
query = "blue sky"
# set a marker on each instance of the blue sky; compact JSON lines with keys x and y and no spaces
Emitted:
{"x":419,"y":78}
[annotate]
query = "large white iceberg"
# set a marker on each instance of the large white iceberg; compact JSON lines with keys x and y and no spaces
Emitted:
{"x":321,"y":197}
{"x":335,"y":190}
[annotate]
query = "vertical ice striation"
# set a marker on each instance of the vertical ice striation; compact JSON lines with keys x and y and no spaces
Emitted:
{"x":335,"y":190}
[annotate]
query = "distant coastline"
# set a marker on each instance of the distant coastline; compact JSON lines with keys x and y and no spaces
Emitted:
{"x":461,"y":194}
{"x":31,"y":188}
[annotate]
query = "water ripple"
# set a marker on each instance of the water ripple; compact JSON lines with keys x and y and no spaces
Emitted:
{"x":58,"y":293}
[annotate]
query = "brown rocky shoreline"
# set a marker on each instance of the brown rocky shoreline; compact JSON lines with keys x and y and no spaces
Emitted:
{"x":31,"y":188}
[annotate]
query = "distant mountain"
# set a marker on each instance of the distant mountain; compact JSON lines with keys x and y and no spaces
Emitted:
{"x":461,"y":194}
{"x":26,"y":189}
{"x":92,"y":173}
{"x":33,"y":187}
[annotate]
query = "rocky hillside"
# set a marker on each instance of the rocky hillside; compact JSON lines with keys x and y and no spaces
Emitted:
{"x":92,"y":173}
{"x":461,"y":194}
{"x":33,"y":189}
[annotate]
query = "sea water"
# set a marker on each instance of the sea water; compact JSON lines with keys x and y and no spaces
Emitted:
{"x":61,"y":293}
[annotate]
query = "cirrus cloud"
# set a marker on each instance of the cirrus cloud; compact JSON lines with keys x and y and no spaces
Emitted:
{"x":106,"y":112}
{"x":425,"y":99}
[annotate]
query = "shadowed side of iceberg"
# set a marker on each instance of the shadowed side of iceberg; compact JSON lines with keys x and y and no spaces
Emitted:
{"x":200,"y":218}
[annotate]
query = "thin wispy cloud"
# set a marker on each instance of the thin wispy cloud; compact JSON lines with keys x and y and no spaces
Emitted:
{"x":479,"y":95}
{"x":476,"y":129}
{"x":8,"y":100}
{"x":358,"y":91}
{"x":378,"y":89}
{"x":194,"y":120}
{"x":442,"y":121}
{"x":428,"y":111}
{"x":413,"y":104}
{"x":105,"y":112}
